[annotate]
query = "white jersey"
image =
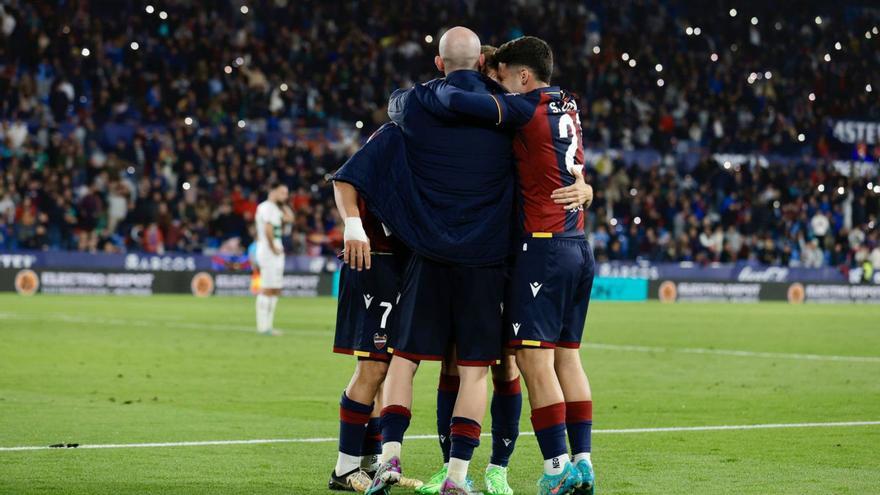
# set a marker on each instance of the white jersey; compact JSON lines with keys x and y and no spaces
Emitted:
{"x":268,"y":212}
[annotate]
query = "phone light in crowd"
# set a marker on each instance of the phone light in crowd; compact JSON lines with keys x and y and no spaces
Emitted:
{"x":727,"y":165}
{"x":359,"y":124}
{"x":632,"y":62}
{"x":150,"y":9}
{"x":841,"y":190}
{"x":776,"y":204}
{"x":812,"y":97}
{"x":163,"y":15}
{"x":697,"y":31}
{"x":754,"y":21}
{"x":875,"y":30}
{"x":868,"y":88}
{"x":660,"y":82}
{"x":778,"y":26}
{"x":801,"y":137}
{"x":818,"y":20}
{"x":821,"y":188}
{"x":827,"y":57}
{"x":637,"y":220}
{"x":838,"y":46}
{"x":244,"y":9}
{"x":870,"y":186}
{"x":633,"y":192}
{"x":625,"y":56}
{"x":85,"y":52}
{"x":186,"y":186}
{"x":752,"y":78}
{"x":227,"y":69}
{"x":130,"y":170}
{"x":867,"y":35}
{"x":658,"y":68}
{"x":613,"y":222}
{"x":283,"y":87}
{"x":689,"y":31}
{"x":596,"y":49}
{"x":241,"y":124}
{"x":429,"y":38}
{"x":768,"y":75}
{"x":239,"y":61}
{"x":732,"y":12}
{"x":877,"y":189}
{"x":713,"y":57}
{"x":134,"y":45}
{"x":188,"y":121}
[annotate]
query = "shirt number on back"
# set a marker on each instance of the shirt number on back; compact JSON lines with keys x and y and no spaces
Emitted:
{"x":568,"y":129}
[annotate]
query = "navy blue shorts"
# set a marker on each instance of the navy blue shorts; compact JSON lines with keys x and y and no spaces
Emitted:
{"x":445,"y":304}
{"x":549,"y":292}
{"x":365,"y":314}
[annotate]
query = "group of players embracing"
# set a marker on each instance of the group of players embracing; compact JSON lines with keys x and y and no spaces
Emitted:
{"x":464,"y":244}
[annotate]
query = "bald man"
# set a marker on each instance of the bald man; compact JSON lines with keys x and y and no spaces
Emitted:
{"x":464,"y":174}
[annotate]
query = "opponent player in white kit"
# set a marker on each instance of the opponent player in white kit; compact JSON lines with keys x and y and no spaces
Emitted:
{"x":270,"y":217}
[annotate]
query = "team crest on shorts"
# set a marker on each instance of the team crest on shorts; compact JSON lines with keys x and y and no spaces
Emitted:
{"x":380,"y":340}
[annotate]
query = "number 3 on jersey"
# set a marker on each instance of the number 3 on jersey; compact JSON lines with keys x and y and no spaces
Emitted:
{"x":568,"y":129}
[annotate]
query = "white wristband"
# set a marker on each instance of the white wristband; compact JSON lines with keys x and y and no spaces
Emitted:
{"x":354,"y":230}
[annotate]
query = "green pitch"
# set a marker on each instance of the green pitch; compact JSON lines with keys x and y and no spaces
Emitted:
{"x":118,"y":370}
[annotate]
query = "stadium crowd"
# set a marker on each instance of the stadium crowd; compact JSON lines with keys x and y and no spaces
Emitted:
{"x":127,"y":126}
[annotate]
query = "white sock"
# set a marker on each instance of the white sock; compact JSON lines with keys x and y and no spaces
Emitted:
{"x":270,"y":312}
{"x":389,"y":450}
{"x":491,"y":466}
{"x":370,"y":462}
{"x":555,"y":465}
{"x":261,"y":313}
{"x":458,"y":469}
{"x":346,"y":463}
{"x":582,"y":455}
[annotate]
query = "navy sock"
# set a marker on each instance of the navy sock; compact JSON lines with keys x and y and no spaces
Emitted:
{"x":506,"y":410}
{"x":353,"y":418}
{"x":447,"y":393}
{"x":373,"y":438}
{"x":549,"y":425}
{"x":465,"y":435}
{"x":394,"y":422}
{"x":579,"y":422}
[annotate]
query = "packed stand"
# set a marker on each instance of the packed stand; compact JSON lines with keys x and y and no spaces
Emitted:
{"x":138,"y":126}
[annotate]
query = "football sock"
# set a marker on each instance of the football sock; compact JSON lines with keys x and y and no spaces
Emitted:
{"x":394,"y":422}
{"x":506,"y":410}
{"x":270,"y":312}
{"x":579,"y":423}
{"x":353,"y":418}
{"x":549,"y":425}
{"x":261,"y":313}
{"x":372,"y":448}
{"x":465,"y":435}
{"x":447,"y":393}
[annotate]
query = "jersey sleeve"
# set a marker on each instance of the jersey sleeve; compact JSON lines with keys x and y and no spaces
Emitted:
{"x":501,"y":109}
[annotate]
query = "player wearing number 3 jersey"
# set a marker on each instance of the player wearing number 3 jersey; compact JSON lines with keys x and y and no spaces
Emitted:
{"x":552,"y":274}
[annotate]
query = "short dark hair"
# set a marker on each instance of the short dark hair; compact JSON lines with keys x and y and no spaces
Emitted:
{"x":528,"y":51}
{"x":276,"y":184}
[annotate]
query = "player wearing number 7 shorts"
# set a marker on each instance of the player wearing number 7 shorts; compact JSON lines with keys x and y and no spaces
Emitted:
{"x":552,"y":275}
{"x":368,"y":292}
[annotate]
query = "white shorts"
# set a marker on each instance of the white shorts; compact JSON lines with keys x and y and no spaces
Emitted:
{"x":271,"y":271}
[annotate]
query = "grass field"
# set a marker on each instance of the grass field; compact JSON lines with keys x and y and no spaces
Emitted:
{"x":119,"y":370}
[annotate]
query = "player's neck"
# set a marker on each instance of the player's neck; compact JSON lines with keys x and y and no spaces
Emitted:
{"x":531,"y":86}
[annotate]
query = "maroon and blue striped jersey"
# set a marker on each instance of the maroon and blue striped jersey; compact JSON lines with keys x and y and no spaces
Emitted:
{"x":548,"y":146}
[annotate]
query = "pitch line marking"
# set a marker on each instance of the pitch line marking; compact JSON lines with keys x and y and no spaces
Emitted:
{"x":168,"y":323}
{"x":731,"y":352}
{"x":262,"y":441}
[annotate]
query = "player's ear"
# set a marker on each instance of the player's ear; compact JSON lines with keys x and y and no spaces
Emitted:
{"x":481,"y":62}
{"x":524,"y":76}
{"x":438,"y":62}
